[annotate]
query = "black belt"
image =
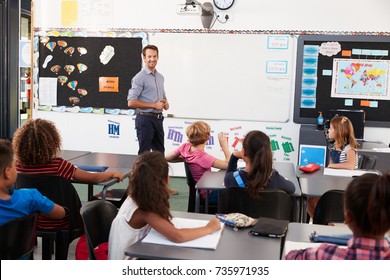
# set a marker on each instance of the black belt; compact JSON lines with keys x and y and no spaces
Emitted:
{"x":150,"y":114}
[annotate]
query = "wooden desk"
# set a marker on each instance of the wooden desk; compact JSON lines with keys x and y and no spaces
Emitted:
{"x":116,"y":163}
{"x":215,"y":181}
{"x":70,"y":154}
{"x":234,"y":245}
{"x":299,"y":232}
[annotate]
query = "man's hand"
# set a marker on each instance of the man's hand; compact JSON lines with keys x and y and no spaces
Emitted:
{"x":159,"y":104}
{"x":166,"y":104}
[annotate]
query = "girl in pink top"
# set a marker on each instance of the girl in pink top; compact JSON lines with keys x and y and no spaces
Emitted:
{"x":194,"y":154}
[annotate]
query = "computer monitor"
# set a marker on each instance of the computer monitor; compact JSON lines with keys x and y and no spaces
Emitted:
{"x":357,"y":118}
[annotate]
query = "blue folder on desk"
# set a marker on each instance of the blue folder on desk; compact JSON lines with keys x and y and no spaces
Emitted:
{"x":340,"y":239}
{"x":92,"y":168}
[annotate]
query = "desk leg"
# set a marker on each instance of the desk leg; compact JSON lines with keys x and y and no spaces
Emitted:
{"x":303,"y":210}
{"x":297,"y":209}
{"x":206,"y":203}
{"x":197,"y":201}
{"x":90,"y":191}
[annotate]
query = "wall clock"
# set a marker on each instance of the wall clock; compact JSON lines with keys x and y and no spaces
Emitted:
{"x":223,"y":4}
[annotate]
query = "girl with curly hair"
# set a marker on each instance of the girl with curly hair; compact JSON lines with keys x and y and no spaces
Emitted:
{"x":147,"y":207}
{"x":37,"y":145}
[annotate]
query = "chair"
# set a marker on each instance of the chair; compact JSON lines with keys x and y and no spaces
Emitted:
{"x":367,"y":161}
{"x":62,"y":192}
{"x":192,"y":193}
{"x":97,"y":217}
{"x":330,"y":208}
{"x":114,"y":196}
{"x":17,"y":238}
{"x":271,"y":203}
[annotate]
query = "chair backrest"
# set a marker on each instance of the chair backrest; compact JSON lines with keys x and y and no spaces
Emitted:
{"x":192,"y":191}
{"x":17,"y":238}
{"x":330,"y":208}
{"x":57,"y":189}
{"x":97,"y":217}
{"x":367,"y":161}
{"x":271,"y":203}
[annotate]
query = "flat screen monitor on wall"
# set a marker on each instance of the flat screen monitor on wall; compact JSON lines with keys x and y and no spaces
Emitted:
{"x":343,"y":72}
{"x":357,"y":118}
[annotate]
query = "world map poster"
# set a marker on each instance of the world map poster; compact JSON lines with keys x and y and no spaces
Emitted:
{"x":361,"y":79}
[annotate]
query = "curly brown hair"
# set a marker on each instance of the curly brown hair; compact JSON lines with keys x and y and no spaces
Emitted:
{"x":148,"y":184}
{"x":36,"y":142}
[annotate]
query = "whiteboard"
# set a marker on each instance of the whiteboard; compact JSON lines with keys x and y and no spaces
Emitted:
{"x":227,"y":76}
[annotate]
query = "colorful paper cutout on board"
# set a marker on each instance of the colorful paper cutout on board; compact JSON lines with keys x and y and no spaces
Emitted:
{"x":109,"y":84}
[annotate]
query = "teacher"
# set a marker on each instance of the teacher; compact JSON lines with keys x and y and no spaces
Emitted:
{"x":147,"y":95}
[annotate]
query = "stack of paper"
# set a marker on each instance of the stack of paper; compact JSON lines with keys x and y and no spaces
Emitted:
{"x":382,"y":150}
{"x":347,"y":173}
{"x":209,"y":241}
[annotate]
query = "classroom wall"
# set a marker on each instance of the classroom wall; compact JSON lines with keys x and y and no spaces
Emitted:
{"x":92,"y":131}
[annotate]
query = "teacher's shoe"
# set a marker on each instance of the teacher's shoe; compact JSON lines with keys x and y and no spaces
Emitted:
{"x":173,"y":192}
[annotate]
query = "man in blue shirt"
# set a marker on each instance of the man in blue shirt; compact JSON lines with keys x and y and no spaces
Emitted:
{"x":147,"y":95}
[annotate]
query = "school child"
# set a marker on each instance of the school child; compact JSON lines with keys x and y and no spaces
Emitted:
{"x":198,"y":160}
{"x":258,"y":173}
{"x":15,"y":204}
{"x":147,"y":207}
{"x":343,"y":153}
{"x":37,"y":145}
{"x":367,"y":214}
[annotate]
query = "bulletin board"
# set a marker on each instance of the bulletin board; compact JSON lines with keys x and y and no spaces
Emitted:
{"x":343,"y":72}
{"x":87,"y":71}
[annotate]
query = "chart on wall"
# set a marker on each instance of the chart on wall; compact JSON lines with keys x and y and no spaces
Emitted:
{"x":89,"y":72}
{"x":343,"y":72}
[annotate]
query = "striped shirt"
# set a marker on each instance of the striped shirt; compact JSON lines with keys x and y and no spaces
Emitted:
{"x":343,"y":156}
{"x":357,"y":249}
{"x":58,"y":167}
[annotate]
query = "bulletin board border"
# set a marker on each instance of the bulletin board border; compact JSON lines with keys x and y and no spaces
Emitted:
{"x":144,"y":33}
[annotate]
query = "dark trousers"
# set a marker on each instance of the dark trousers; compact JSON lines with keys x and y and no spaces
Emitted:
{"x":150,"y":133}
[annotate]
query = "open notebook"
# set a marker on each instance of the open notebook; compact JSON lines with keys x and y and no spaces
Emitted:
{"x":205,"y":242}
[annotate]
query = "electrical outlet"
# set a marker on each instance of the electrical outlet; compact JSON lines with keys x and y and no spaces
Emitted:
{"x":224,"y":16}
{"x":192,"y":9}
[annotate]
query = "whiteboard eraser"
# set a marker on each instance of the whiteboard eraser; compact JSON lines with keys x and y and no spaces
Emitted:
{"x":169,"y":115}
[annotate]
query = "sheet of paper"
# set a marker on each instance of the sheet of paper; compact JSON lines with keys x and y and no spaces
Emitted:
{"x":382,"y":150}
{"x":47,"y":91}
{"x":206,"y":242}
{"x":347,"y":173}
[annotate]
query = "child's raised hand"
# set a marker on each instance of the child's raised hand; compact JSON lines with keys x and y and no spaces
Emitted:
{"x":214,"y":224}
{"x":223,"y":141}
